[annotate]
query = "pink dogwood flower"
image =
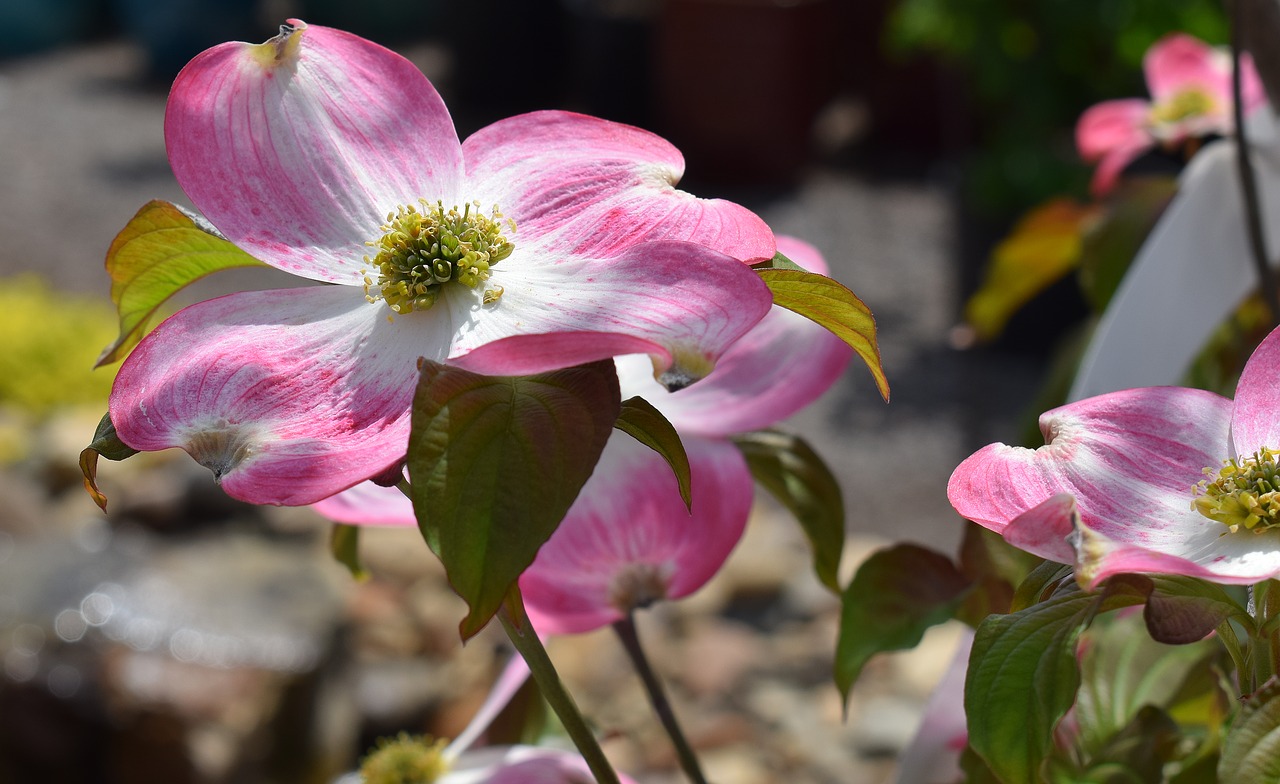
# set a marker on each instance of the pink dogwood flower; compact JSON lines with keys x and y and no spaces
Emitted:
{"x":1190,"y":85}
{"x":1158,"y":480}
{"x":542,"y":241}
{"x":628,"y":540}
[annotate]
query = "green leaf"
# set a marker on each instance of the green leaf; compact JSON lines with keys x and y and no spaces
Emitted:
{"x":1041,"y":584}
{"x":896,"y":595}
{"x":1023,"y":676}
{"x":779,"y":261}
{"x":794,"y":474}
{"x":646,"y":424}
{"x":107,"y":444}
{"x":495,"y":463}
{"x":1139,"y":752}
{"x":345,"y":544}
{"x":828,"y":303}
{"x":1251,"y":751}
{"x":158,"y":252}
{"x":1123,"y":670}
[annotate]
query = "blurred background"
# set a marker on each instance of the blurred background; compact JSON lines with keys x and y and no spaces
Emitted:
{"x":185,"y":637}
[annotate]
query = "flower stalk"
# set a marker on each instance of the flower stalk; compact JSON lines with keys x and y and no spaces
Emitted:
{"x":626,"y":631}
{"x":515,"y":622}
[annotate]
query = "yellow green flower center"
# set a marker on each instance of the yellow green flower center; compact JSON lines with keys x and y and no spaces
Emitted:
{"x":422,"y":250}
{"x":407,"y":759}
{"x":1244,"y":493}
{"x":1182,"y":105}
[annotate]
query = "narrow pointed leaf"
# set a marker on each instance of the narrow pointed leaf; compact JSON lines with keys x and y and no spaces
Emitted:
{"x":345,"y":544}
{"x":1023,"y":676}
{"x":646,"y":424}
{"x":1251,"y":751}
{"x":495,"y":463}
{"x":828,"y":303}
{"x":794,"y":474}
{"x":160,"y":251}
{"x":107,"y":444}
{"x":895,"y":596}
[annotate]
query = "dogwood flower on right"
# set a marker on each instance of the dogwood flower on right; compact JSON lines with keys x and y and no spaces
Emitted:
{"x":1157,"y":479}
{"x":1190,"y":84}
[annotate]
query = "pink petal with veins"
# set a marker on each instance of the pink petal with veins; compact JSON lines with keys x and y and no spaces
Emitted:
{"x":288,"y":396}
{"x":369,"y":504}
{"x":298,"y":160}
{"x":1130,"y":458}
{"x":681,"y":303}
{"x":590,"y":187}
{"x":629,"y":540}
{"x":1255,"y":422}
{"x":782,"y":365}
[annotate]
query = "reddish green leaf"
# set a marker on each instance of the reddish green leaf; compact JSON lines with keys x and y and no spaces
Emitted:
{"x":793,"y":473}
{"x":495,"y":463}
{"x":646,"y":424}
{"x":828,"y":303}
{"x":160,"y":251}
{"x":895,"y":596}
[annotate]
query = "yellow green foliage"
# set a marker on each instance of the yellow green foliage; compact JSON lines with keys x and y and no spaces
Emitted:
{"x":1043,"y":248}
{"x":48,"y":343}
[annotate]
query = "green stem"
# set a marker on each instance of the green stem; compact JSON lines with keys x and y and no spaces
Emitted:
{"x":518,"y":628}
{"x":626,"y":630}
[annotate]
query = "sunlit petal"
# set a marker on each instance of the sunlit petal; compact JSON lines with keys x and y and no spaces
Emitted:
{"x":288,"y":396}
{"x":296,"y":149}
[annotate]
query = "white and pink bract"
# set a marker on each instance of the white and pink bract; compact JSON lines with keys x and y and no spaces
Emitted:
{"x":298,"y":150}
{"x":1116,"y":485}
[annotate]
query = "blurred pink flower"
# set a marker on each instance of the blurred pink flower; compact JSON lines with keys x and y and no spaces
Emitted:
{"x":1190,"y":85}
{"x":1159,"y":479}
{"x":628,"y":539}
{"x":334,"y":159}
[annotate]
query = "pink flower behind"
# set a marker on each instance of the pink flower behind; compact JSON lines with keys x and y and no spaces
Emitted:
{"x":543,"y":241}
{"x":628,"y":539}
{"x":1159,"y":480}
{"x":1190,"y":85}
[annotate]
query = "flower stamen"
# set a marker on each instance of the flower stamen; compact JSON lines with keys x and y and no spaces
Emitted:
{"x":421,"y":250}
{"x":1182,"y":105}
{"x":1244,"y":493}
